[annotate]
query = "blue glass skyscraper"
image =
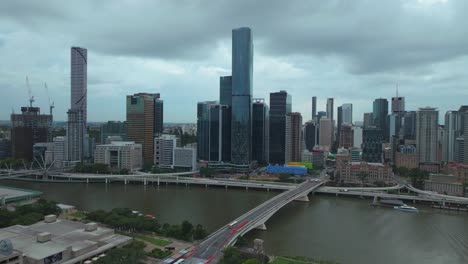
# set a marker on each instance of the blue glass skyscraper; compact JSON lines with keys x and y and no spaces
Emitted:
{"x":242,"y":71}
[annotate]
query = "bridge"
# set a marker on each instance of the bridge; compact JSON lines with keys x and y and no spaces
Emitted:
{"x":210,"y":250}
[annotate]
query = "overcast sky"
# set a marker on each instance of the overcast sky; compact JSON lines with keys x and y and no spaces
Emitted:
{"x":354,"y":51}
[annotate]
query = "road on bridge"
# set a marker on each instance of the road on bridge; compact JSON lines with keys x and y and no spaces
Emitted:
{"x":211,"y":248}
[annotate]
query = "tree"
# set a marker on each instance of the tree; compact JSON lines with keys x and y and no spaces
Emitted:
{"x":363,"y":177}
{"x":252,"y":261}
{"x":231,"y":256}
{"x":199,"y":232}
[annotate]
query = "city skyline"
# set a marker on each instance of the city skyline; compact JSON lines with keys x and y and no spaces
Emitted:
{"x":183,"y":75}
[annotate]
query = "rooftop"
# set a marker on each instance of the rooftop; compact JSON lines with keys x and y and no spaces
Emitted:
{"x":12,"y":194}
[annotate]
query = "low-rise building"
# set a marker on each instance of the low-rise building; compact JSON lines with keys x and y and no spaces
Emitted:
{"x":431,"y":167}
{"x":371,"y":172}
{"x":120,"y":155}
{"x":58,"y":241}
{"x":164,"y":146}
{"x":406,"y":157}
{"x":445,"y":184}
{"x":185,"y":158}
{"x":458,"y":170}
{"x":316,"y":157}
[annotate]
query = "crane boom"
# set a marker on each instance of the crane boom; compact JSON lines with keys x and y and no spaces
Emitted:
{"x":30,"y":96}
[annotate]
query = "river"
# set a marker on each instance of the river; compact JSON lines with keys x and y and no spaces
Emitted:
{"x":346,"y":230}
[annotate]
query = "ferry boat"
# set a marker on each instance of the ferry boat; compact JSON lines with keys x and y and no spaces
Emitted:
{"x":406,"y":208}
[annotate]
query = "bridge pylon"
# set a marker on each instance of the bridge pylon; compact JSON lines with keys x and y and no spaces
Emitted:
{"x":261,"y":227}
{"x":304,"y":198}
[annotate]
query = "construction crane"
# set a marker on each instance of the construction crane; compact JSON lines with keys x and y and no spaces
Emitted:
{"x":51,"y":105}
{"x":30,"y":96}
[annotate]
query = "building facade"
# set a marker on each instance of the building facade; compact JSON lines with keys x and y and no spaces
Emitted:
{"x":164,"y":146}
{"x":372,"y":145}
{"x":330,"y":109}
{"x":185,"y":157}
{"x":120,"y":155}
{"x":314,"y":108}
{"x":398,"y":104}
{"x":346,"y":136}
{"x":310,"y":135}
{"x":141,"y":122}
{"x":373,"y":172}
{"x":113,"y":129}
{"x":406,"y":157}
{"x":242,"y":76}
{"x":326,"y":133}
{"x":28,"y":128}
{"x":367,"y":120}
{"x":427,"y":125}
{"x":260,"y":131}
{"x":379,"y":116}
{"x":293,"y":137}
{"x":280,"y":106}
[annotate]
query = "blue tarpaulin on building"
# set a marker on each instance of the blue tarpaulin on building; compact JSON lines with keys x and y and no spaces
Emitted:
{"x":287,"y":169}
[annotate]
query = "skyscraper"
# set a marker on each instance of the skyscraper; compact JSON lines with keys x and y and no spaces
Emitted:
{"x":260,"y":131}
{"x":427,"y":127}
{"x":310,"y":135}
{"x":79,"y":80}
{"x":398,"y":104}
{"x":326,"y":133}
{"x":242,"y":74}
{"x":367,"y":120}
{"x":280,"y":106}
{"x":28,"y":128}
{"x":372,"y":144}
{"x":464,"y":152}
{"x":158,"y":116}
{"x":453,"y":130}
{"x":347,"y":113}
{"x":409,"y":125}
{"x":293,"y":137}
{"x":143,"y":122}
{"x":379,"y":116}
{"x":314,"y":107}
{"x":330,"y":109}
{"x":225,"y":90}
{"x":77,"y":115}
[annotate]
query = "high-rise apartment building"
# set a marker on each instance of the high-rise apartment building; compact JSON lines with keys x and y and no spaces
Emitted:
{"x":260,"y":131}
{"x":77,"y":115}
{"x":143,"y":122}
{"x":213,"y":133}
{"x":314,"y":107}
{"x":280,"y":106}
{"x":453,"y":130}
{"x":293,"y":136}
{"x":28,"y":128}
{"x":398,"y":104}
{"x":75,"y":143}
{"x":242,"y":76}
{"x":427,"y":126}
{"x":379,"y":116}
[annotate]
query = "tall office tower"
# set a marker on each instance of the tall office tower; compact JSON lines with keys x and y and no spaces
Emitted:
{"x":357,"y":137}
{"x":293,"y":137}
{"x":164,"y":146}
{"x":459,"y":155}
{"x":326,"y":133}
{"x":225,"y":90}
{"x":260,"y":131}
{"x":142,"y":118}
{"x":367,"y":120}
{"x":426,"y":134}
{"x":346,"y":136}
{"x":77,"y":115}
{"x":28,"y":128}
{"x":453,"y":130}
{"x":330,"y":109}
{"x":75,"y":142}
{"x":372,"y":144}
{"x":280,"y":106}
{"x":339,"y":122}
{"x":396,"y":124}
{"x":398,"y":104}
{"x":379,"y":116}
{"x":314,"y":107}
{"x":59,"y":151}
{"x":409,"y":125}
{"x":310,"y":135}
{"x":347,"y":113}
{"x":242,"y":71}
{"x":213,"y":133}
{"x":320,"y":115}
{"x":158,"y":116}
{"x":113,"y":129}
{"x":79,"y":80}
